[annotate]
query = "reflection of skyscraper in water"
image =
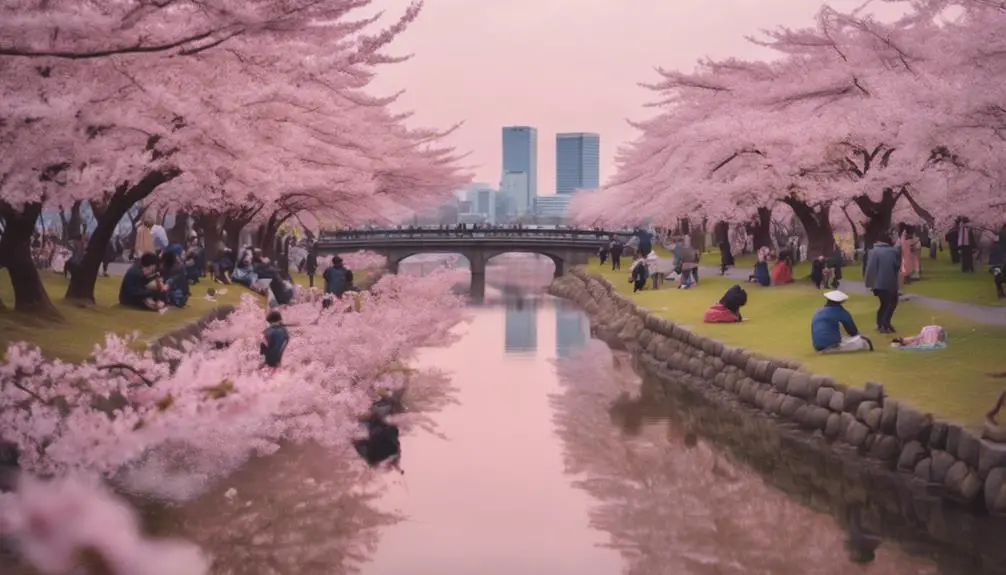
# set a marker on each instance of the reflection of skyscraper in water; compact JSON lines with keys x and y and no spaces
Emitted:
{"x":521,"y":326}
{"x":570,"y":330}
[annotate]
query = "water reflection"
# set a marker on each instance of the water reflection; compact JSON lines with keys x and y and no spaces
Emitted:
{"x":521,"y":325}
{"x":571,"y":330}
{"x":493,"y":498}
{"x":674,"y":503}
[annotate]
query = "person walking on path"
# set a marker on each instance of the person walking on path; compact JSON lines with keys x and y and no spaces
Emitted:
{"x":882,"y":275}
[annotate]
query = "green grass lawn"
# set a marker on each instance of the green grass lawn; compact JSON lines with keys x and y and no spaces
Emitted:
{"x":951,"y":383}
{"x":74,"y":339}
{"x":941,"y":278}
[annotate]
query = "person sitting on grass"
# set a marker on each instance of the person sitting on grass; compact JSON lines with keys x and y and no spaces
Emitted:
{"x":140,"y":287}
{"x":274,"y":341}
{"x":728,"y":310}
{"x":931,"y":337}
{"x":176,"y":280}
{"x":761,"y":275}
{"x":825,"y":332}
{"x":223,"y":267}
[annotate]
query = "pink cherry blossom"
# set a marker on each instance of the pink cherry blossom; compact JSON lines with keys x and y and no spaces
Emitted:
{"x":62,"y":525}
{"x":850,"y":107}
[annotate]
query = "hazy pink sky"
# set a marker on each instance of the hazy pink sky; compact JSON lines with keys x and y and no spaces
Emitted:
{"x":562,"y":65}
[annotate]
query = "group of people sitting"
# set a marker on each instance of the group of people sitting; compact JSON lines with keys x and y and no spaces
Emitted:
{"x":827,"y":324}
{"x":155,"y":281}
{"x":781,"y":272}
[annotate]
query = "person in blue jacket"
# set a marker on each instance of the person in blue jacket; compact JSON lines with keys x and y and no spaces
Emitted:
{"x":827,"y":323}
{"x":274,"y":341}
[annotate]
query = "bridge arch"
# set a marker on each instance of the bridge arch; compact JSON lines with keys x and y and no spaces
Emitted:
{"x":558,"y":260}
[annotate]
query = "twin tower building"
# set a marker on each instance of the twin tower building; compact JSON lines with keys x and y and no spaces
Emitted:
{"x":577,"y":166}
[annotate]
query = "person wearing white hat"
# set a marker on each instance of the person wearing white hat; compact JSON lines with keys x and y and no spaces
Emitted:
{"x":827,"y":323}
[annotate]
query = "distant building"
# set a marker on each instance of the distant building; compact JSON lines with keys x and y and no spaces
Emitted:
{"x":480,"y":198}
{"x":577,"y":162}
{"x":520,"y":154}
{"x":551,"y":207}
{"x":515,"y":187}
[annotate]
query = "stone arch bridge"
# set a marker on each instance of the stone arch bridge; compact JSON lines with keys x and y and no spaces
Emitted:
{"x":565,"y":247}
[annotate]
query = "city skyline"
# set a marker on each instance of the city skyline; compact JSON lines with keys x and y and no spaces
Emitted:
{"x":577,"y":161}
{"x":569,"y":80}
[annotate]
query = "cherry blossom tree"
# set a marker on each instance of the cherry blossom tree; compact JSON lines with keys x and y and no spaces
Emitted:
{"x":258,"y":107}
{"x":854,"y":112}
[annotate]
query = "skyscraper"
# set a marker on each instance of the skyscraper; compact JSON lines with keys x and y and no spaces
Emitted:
{"x":520,"y":154}
{"x":577,"y":162}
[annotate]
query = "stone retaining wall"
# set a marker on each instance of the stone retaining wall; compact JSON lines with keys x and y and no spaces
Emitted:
{"x":964,"y":473}
{"x":189,"y":332}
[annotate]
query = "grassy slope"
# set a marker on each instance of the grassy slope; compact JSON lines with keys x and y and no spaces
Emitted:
{"x":941,"y":279}
{"x":84,"y":327}
{"x":74,"y":340}
{"x":951,"y":383}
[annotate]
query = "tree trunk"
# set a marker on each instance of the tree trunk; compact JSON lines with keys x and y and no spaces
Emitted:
{"x":72,"y":225}
{"x":856,"y":240}
{"x":15,"y":255}
{"x":760,"y":228}
{"x":816,"y":222}
{"x":108,"y":214}
{"x":177,"y":233}
{"x":208,"y":225}
{"x":879,"y":216}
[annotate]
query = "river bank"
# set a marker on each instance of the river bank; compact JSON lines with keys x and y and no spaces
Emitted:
{"x":921,"y":481}
{"x":171,"y":430}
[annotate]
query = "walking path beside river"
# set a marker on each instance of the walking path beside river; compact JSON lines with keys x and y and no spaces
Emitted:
{"x":983,"y":314}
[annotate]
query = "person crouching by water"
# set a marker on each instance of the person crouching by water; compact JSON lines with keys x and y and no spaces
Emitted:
{"x":729,"y":308}
{"x":274,"y":340}
{"x":639,"y":274}
{"x":825,"y":332}
{"x":382,"y":443}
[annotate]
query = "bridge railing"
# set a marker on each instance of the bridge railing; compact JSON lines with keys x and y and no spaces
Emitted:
{"x":434,"y":233}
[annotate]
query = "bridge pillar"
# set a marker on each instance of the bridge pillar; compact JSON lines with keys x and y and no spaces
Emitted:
{"x":477,"y":263}
{"x":560,"y":267}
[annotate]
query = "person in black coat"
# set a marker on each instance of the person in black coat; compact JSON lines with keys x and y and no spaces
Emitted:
{"x":139,"y":286}
{"x":726,"y":257}
{"x":997,"y":265}
{"x":311,"y":264}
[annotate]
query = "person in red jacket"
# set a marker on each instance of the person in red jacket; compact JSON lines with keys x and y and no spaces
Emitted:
{"x":728,"y":310}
